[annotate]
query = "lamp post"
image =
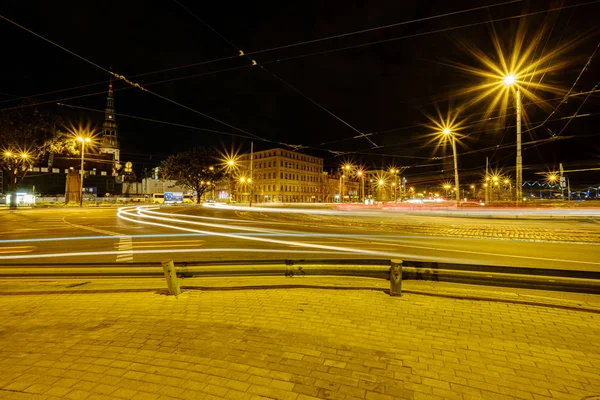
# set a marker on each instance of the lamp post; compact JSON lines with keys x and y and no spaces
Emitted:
{"x":361,"y":176}
{"x":230,"y":166}
{"x":446,"y":188}
{"x":449,"y":134}
{"x":508,"y":183}
{"x":395,"y":172}
{"x":83,"y":141}
{"x":510,"y":80}
{"x":342,"y":188}
{"x":346,"y":168}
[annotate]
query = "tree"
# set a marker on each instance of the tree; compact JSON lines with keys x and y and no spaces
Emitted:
{"x":26,"y":135}
{"x":197,"y":168}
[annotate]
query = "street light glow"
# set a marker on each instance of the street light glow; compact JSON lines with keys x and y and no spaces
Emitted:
{"x":509,"y":79}
{"x":446,"y":131}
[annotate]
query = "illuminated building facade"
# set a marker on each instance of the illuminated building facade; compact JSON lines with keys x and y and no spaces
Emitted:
{"x":280,"y":175}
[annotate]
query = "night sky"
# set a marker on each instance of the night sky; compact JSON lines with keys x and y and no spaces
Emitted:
{"x":385,"y":89}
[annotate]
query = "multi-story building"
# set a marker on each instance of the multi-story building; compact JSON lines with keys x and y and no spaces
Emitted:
{"x":280,"y":175}
{"x":341,"y":188}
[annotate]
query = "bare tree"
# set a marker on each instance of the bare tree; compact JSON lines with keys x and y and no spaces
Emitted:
{"x":197,"y":168}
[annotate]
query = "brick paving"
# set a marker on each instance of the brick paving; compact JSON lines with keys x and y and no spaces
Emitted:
{"x":301,"y":343}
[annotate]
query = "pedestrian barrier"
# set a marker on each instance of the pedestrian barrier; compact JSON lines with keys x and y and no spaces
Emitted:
{"x":393,"y":270}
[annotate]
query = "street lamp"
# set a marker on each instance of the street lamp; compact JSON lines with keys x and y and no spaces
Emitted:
{"x":449,"y":134}
{"x":361,"y":176}
{"x":446,"y":188}
{"x":83,"y":140}
{"x":395,"y":172}
{"x":230,"y":165}
{"x":510,"y":80}
{"x":346,"y":172}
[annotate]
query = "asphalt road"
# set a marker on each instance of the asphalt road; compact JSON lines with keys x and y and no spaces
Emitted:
{"x":195,"y":233}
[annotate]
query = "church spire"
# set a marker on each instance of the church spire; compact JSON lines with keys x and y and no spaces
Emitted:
{"x":109,"y":113}
{"x":110,"y":144}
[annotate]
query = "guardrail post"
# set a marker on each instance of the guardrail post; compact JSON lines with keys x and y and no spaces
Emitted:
{"x":396,"y":278}
{"x":171,"y":277}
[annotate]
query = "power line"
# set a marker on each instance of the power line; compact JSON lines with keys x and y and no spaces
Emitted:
{"x":295,"y":57}
{"x":267,"y":50}
{"x":253,"y":62}
{"x":576,"y":114}
{"x":173,"y":124}
{"x":430,"y":32}
{"x":566,"y":97}
{"x":126,"y":80}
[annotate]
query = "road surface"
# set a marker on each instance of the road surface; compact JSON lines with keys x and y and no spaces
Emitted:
{"x":194,"y":233}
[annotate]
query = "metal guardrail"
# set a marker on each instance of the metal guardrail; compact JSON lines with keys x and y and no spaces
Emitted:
{"x":393,"y":270}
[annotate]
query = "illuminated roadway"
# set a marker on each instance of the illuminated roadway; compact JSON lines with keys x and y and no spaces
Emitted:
{"x":196,"y":233}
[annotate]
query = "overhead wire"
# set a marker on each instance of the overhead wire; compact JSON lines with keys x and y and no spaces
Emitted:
{"x":567,"y":95}
{"x":271,"y":49}
{"x":254,"y":63}
{"x":299,"y":56}
{"x":372,"y":43}
{"x":172,"y":124}
{"x":126,"y":80}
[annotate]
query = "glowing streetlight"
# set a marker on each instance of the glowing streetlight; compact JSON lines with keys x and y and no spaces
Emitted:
{"x":446,"y":128}
{"x":446,"y":188}
{"x":83,"y":140}
{"x":361,"y":176}
{"x":509,"y":79}
{"x":447,"y":132}
{"x":345,"y":172}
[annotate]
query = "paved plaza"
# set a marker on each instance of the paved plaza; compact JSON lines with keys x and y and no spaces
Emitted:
{"x":258,"y":339}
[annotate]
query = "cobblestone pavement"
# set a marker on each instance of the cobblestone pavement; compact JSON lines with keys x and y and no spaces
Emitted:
{"x":548,"y":230}
{"x":302,"y":343}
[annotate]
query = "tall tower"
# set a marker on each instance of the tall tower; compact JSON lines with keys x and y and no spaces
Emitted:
{"x":110,"y":144}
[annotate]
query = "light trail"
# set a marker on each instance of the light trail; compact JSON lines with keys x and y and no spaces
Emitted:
{"x":126,"y":252}
{"x":400,"y":209}
{"x":144,"y":213}
{"x":147,"y":216}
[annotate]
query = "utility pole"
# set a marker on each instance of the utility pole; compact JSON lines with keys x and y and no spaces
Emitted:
{"x":562,"y":181}
{"x":487,"y":165}
{"x":456,"y":183}
{"x":251,"y":170}
{"x":519,"y":171}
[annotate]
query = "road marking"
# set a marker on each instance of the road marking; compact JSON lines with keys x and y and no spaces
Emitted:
{"x":92,"y":229}
{"x":16,"y":249}
{"x":168,"y":241}
{"x":155,"y":246}
{"x":125,"y":245}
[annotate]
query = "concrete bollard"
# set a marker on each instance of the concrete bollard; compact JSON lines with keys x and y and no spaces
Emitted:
{"x":396,"y":278}
{"x":171,"y":277}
